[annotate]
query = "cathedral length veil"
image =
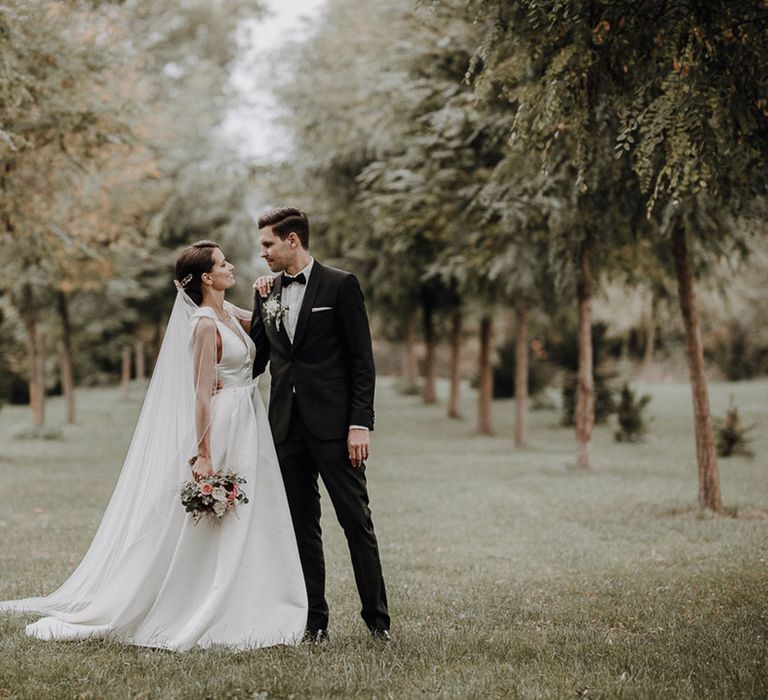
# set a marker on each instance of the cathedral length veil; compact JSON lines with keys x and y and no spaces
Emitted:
{"x":155,"y":466}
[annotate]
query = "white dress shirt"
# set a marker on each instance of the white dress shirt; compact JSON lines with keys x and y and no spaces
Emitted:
{"x":292,"y":297}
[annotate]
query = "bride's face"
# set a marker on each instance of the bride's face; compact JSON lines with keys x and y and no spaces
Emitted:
{"x":220,"y":276}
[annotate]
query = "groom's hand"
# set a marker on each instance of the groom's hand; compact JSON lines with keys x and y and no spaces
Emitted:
{"x":358,"y":446}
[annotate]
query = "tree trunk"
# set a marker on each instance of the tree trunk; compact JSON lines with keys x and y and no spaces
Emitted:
{"x":35,"y":359}
{"x":456,"y":337}
{"x":650,"y":338}
{"x":65,"y":354}
{"x":125,"y":375}
{"x":521,"y":374}
{"x":40,"y":371}
{"x":409,"y":366}
{"x":484,"y":426}
{"x":585,"y":392}
{"x":430,"y":393}
{"x":140,"y":351}
{"x":709,"y":476}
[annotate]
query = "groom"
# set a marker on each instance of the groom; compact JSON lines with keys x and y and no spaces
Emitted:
{"x":313,"y":329}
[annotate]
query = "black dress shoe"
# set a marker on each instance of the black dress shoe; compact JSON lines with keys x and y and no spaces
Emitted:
{"x":319,"y":636}
{"x":380,"y":634}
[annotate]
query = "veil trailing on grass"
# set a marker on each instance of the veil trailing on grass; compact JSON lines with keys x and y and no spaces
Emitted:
{"x":169,"y":427}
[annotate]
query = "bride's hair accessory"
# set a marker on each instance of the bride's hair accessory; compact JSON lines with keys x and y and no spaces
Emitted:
{"x":180,"y":285}
{"x":193,"y":262}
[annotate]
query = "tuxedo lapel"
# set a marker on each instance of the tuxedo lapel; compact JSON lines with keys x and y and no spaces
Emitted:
{"x":281,"y":334}
{"x":313,"y":284}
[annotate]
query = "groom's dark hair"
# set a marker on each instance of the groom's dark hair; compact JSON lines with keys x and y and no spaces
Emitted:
{"x":287,"y":220}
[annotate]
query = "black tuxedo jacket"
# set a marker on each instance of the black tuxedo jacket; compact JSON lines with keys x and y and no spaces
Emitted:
{"x":329,"y":363}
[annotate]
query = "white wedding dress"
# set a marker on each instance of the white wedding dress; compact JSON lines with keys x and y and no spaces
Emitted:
{"x":151,"y":576}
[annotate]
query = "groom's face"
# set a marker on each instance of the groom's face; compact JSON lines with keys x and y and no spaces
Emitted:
{"x":277,"y":252}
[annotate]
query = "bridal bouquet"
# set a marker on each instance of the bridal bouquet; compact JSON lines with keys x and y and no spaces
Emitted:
{"x":213,"y":496}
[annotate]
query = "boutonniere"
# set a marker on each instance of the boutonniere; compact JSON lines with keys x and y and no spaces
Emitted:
{"x":274,"y":311}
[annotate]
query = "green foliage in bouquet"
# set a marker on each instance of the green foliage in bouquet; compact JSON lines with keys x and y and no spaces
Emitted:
{"x":213,"y":496}
{"x":632,"y":424}
{"x":732,"y":435}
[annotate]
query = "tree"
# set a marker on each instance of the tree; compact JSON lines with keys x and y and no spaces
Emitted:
{"x":549,"y":70}
{"x":408,"y":175}
{"x":696,"y":128}
{"x":423,"y":192}
{"x":111,"y":159}
{"x":383,"y":175}
{"x":59,"y":122}
{"x":335,"y":93}
{"x":678,"y":87}
{"x":517,"y":207}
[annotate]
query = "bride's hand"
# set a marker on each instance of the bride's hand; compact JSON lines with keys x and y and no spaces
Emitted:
{"x":264,"y":285}
{"x":201,"y":467}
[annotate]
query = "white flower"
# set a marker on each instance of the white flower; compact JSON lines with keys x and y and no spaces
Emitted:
{"x":274,"y":311}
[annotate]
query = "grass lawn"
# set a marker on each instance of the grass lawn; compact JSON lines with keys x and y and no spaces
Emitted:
{"x":509,"y":574}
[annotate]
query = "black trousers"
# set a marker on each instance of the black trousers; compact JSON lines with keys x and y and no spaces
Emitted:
{"x":302,"y":457}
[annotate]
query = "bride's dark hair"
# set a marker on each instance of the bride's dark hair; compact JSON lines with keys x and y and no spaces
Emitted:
{"x":192,"y":262}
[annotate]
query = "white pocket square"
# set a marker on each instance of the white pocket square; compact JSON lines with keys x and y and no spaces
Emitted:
{"x":321,"y":308}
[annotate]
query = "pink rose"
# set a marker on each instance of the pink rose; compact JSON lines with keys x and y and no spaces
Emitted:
{"x":232,"y":495}
{"x":206,"y":488}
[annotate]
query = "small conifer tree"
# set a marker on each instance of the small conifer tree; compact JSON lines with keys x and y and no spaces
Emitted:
{"x":732,"y":435}
{"x":632,"y":425}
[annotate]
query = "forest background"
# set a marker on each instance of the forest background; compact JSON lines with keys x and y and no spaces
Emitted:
{"x":542,"y":199}
{"x":557,"y":212}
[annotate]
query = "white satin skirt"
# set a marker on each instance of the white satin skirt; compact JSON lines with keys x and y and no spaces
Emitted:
{"x":236,"y":583}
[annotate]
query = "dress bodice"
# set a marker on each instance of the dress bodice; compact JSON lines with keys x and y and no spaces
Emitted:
{"x":238,"y":352}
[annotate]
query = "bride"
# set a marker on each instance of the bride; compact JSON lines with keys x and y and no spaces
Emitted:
{"x":151,"y":577}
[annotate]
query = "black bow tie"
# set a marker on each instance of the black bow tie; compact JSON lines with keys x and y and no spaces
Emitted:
{"x":299,"y":279}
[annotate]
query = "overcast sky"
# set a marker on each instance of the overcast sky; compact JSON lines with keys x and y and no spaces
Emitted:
{"x":254,"y":126}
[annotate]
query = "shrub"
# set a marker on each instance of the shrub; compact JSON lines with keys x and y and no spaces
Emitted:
{"x":605,"y":403}
{"x":732,"y":435}
{"x":632,"y":426}
{"x":738,"y":353}
{"x":40,"y":433}
{"x":563,"y":349}
{"x":540,"y":373}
